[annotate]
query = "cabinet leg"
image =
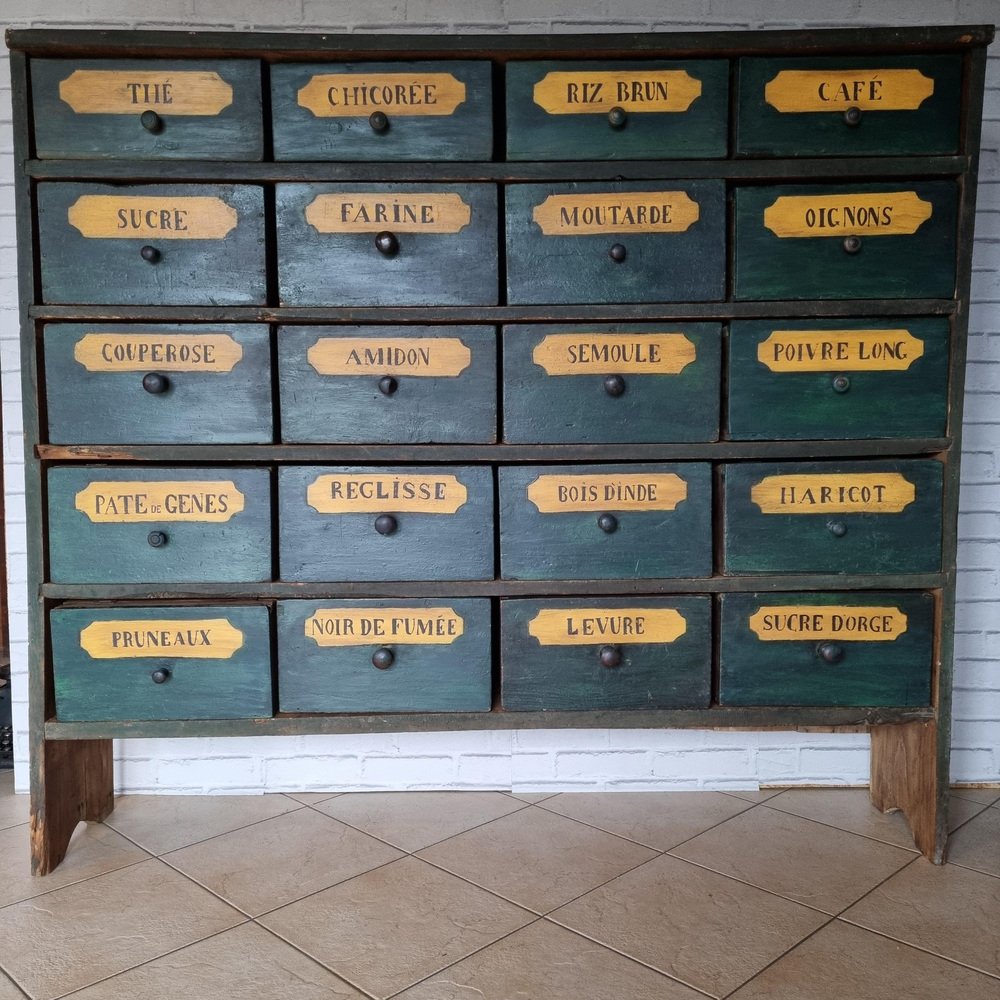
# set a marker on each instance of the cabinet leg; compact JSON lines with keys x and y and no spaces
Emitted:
{"x":74,"y":782}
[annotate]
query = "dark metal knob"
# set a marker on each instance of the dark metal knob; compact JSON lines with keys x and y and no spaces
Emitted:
{"x":840,"y":383}
{"x":617,"y":252}
{"x":157,"y":539}
{"x":614,"y":385}
{"x":379,"y":121}
{"x":151,"y":122}
{"x":150,"y":254}
{"x":837,"y":528}
{"x":610,"y":656}
{"x":852,"y":244}
{"x":608,"y":523}
{"x":830,"y":652}
{"x":155,"y":383}
{"x":386,"y":524}
{"x":160,"y":675}
{"x":387,"y":244}
{"x":852,"y":116}
{"x":617,"y":117}
{"x":387,"y":385}
{"x":383,"y":658}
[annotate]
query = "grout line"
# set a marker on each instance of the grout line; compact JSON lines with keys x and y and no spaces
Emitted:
{"x":855,"y":833}
{"x":4,"y":974}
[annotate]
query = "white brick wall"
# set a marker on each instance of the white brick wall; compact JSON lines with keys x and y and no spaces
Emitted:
{"x":575,"y":759}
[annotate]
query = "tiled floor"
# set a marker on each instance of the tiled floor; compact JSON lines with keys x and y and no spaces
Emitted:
{"x":793,"y":895}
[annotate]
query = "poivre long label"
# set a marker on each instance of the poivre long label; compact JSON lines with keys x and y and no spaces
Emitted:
{"x":556,"y":494}
{"x":834,"y":493}
{"x":203,"y":639}
{"x":402,"y":95}
{"x":626,"y":212}
{"x":617,"y":353}
{"x":893,"y":213}
{"x":401,"y":626}
{"x":441,"y":357}
{"x":840,"y":350}
{"x":794,"y":623}
{"x":130,"y":217}
{"x":170,"y":92}
{"x":171,"y":352}
{"x":589,"y":626}
{"x":596,"y":91}
{"x":798,"y":90}
{"x":361,"y":493}
{"x":350,"y":212}
{"x":120,"y":502}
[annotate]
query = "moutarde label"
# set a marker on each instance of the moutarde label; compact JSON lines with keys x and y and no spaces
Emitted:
{"x":118,"y":502}
{"x":893,"y":213}
{"x":363,"y":493}
{"x":596,"y":91}
{"x":626,"y":212}
{"x":555,"y":494}
{"x":351,"y":212}
{"x":840,"y":351}
{"x":798,"y":90}
{"x":441,"y":357}
{"x":400,"y":626}
{"x":834,"y":493}
{"x":846,"y":624}
{"x":406,"y":95}
{"x":589,"y":626}
{"x":132,"y":217}
{"x":614,"y":353}
{"x":169,"y":92}
{"x":171,"y":352}
{"x":202,"y":639}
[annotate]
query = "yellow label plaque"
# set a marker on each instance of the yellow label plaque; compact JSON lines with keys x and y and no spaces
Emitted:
{"x":349,"y":95}
{"x":797,"y":90}
{"x":590,"y":626}
{"x":119,"y":502}
{"x":122,"y":92}
{"x":625,"y":491}
{"x":834,"y":493}
{"x":597,"y":91}
{"x":363,"y":493}
{"x":614,"y":353}
{"x":133,"y":217}
{"x":428,"y":212}
{"x":203,"y":639}
{"x":168,"y":352}
{"x":840,"y":350}
{"x":400,"y":626}
{"x":797,"y":622}
{"x":894,"y":213}
{"x":625,"y":212}
{"x":441,"y":357}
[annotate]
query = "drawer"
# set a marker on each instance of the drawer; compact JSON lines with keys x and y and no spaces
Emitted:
{"x":859,"y":378}
{"x":866,"y":649}
{"x":611,"y":383}
{"x":110,"y":384}
{"x":387,"y":244}
{"x":382,"y":111}
{"x":378,"y":523}
{"x":584,"y":654}
{"x":109,"y":524}
{"x":849,"y":105}
{"x":855,"y":241}
{"x":372,"y":384}
{"x":624,"y":110}
{"x":599,"y":522}
{"x":834,"y":517}
{"x":164,"y":244}
{"x":384,"y":656}
{"x":188,"y":662}
{"x":152,"y":109}
{"x":608,"y":242}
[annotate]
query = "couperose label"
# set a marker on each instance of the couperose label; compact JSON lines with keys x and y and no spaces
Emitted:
{"x":799,"y":90}
{"x":351,"y":212}
{"x":596,"y":91}
{"x":120,"y":92}
{"x":614,"y":353}
{"x":556,"y":494}
{"x":409,"y":95}
{"x":118,"y":502}
{"x":797,"y":622}
{"x":207,"y":639}
{"x":626,"y":212}
{"x":441,"y":357}
{"x":364,"y":626}
{"x":834,"y":493}
{"x":840,"y":350}
{"x":894,"y":213}
{"x":130,"y":217}
{"x":172,"y":352}
{"x":364,"y":493}
{"x":589,"y":626}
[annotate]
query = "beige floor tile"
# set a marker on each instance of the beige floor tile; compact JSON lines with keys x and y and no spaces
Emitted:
{"x":390,"y":928}
{"x":660,"y":820}
{"x":702,"y":928}
{"x":310,"y":798}
{"x":977,"y":844}
{"x":537,"y":859}
{"x":8,"y":991}
{"x":162,"y":823}
{"x":845,"y":961}
{"x":988,"y":796}
{"x":269,"y":864}
{"x":796,"y":858}
{"x":246,"y":962}
{"x":960,"y":811}
{"x":945,"y":909}
{"x":88,"y":931}
{"x":14,"y":809}
{"x":412,"y":820}
{"x":532,"y":796}
{"x":759,"y":796}
{"x":549,"y":963}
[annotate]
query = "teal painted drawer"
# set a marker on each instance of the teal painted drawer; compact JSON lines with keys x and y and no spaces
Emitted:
{"x":833,"y":517}
{"x":378,"y":523}
{"x":164,"y":244}
{"x":368,"y":384}
{"x":855,"y":241}
{"x":849,"y":105}
{"x":382,"y":111}
{"x":384,"y":656}
{"x":149,"y":109}
{"x":622,"y":110}
{"x":611,"y":383}
{"x":867,"y":649}
{"x":609,"y":242}
{"x":599,"y":522}
{"x":808,"y":379}
{"x":387,"y":244}
{"x":157,"y":662}
{"x":152,"y":384}
{"x":109,"y":524}
{"x":585,"y":654}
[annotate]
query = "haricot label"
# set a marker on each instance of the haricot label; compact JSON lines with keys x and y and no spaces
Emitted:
{"x":836,"y":90}
{"x":557,"y":494}
{"x":834,"y":493}
{"x":893,"y":213}
{"x":364,"y":493}
{"x":130,"y":217}
{"x":171,"y":92}
{"x":589,"y":626}
{"x":442,"y":357}
{"x":120,"y":502}
{"x":614,"y":353}
{"x":371,"y":212}
{"x":625,"y":212}
{"x":597,"y":91}
{"x":839,"y":350}
{"x":857,"y":624}
{"x":208,"y":639}
{"x":172,"y":352}
{"x":364,"y":626}
{"x":402,"y":95}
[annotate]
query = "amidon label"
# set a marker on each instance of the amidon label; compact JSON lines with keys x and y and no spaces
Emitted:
{"x":890,"y":213}
{"x":563,"y":494}
{"x":122,"y":92}
{"x":132,"y":217}
{"x":839,"y":350}
{"x":120,"y":502}
{"x":614,"y":353}
{"x":370,"y":493}
{"x":440,"y":357}
{"x":171,"y":352}
{"x":372,"y":212}
{"x":846,"y":624}
{"x":588,"y":626}
{"x":622,"y":212}
{"x":802,"y":90}
{"x":596,"y":91}
{"x":834,"y":493}
{"x":203,"y":639}
{"x":406,"y":95}
{"x":363,"y":626}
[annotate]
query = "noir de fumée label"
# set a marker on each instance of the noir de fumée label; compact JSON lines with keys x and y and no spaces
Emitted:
{"x":364,"y":626}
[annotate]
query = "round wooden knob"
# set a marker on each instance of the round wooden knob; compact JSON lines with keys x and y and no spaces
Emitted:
{"x":150,"y":254}
{"x":830,"y":652}
{"x":617,"y":117}
{"x":387,"y":244}
{"x":610,"y":656}
{"x":837,"y":528}
{"x":383,"y":658}
{"x":840,"y":383}
{"x":852,"y":117}
{"x":157,"y":539}
{"x":379,"y":121}
{"x":852,"y":244}
{"x":151,"y":122}
{"x":608,"y":523}
{"x":154,"y":383}
{"x":160,"y":675}
{"x":617,"y":252}
{"x":386,"y":524}
{"x":387,"y":385}
{"x":614,"y":385}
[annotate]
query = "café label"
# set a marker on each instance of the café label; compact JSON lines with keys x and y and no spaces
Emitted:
{"x":617,"y":353}
{"x":200,"y":501}
{"x":409,"y":95}
{"x":443,"y":357}
{"x":203,"y":639}
{"x":622,"y":212}
{"x":375,"y":493}
{"x":589,"y":626}
{"x":400,"y":626}
{"x":796,"y":90}
{"x":597,"y":91}
{"x":122,"y":92}
{"x":834,"y":493}
{"x":560,"y":494}
{"x":846,"y":624}
{"x":892,"y":213}
{"x":840,"y":351}
{"x":171,"y":352}
{"x":350,"y":212}
{"x":133,"y":217}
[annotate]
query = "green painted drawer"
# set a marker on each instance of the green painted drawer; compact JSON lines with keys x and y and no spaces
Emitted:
{"x":623,"y":110}
{"x":210,"y":384}
{"x":599,"y":522}
{"x":369,"y":384}
{"x":860,"y":378}
{"x":164,"y":244}
{"x":379,"y":523}
{"x":834,"y":517}
{"x":157,"y":662}
{"x":109,"y":524}
{"x":149,"y":109}
{"x":609,"y":242}
{"x":585,"y":654}
{"x":866,"y":649}
{"x":384,"y":656}
{"x":849,"y":105}
{"x":382,"y":111}
{"x":439,"y":244}
{"x":856,"y":241}
{"x":611,"y":383}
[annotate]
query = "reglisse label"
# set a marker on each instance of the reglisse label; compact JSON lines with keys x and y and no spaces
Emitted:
{"x":171,"y":352}
{"x":130,"y":217}
{"x":441,"y":357}
{"x":403,"y":95}
{"x":834,"y":493}
{"x":400,"y":626}
{"x":203,"y":639}
{"x":170,"y":92}
{"x":597,"y":91}
{"x":614,"y":353}
{"x":892,"y":213}
{"x":364,"y":493}
{"x":563,"y":494}
{"x":845,"y":624}
{"x":793,"y":91}
{"x":119,"y":502}
{"x":624,"y":212}
{"x":840,"y":350}
{"x":372,"y":212}
{"x":589,"y":626}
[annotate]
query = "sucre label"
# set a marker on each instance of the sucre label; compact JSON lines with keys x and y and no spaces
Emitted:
{"x":557,"y":494}
{"x":894,"y":213}
{"x":836,"y":90}
{"x":840,"y":350}
{"x":619,"y":353}
{"x":364,"y":626}
{"x":351,"y":212}
{"x":589,"y":626}
{"x":348,"y":95}
{"x":443,"y":357}
{"x":119,"y":92}
{"x":797,"y":622}
{"x":127,"y":217}
{"x":207,"y":639}
{"x":118,"y":502}
{"x":597,"y":91}
{"x":172,"y":352}
{"x":834,"y":493}
{"x":626,"y":212}
{"x":363,"y":493}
